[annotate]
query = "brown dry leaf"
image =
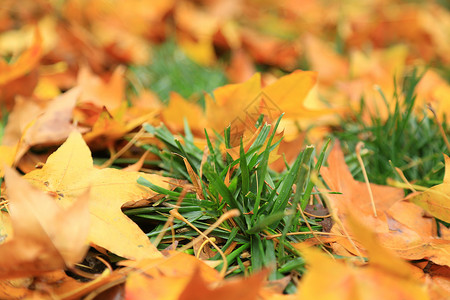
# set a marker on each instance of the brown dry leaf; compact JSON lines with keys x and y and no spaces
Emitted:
{"x":386,"y":276}
{"x":153,"y":276}
{"x":400,"y":225}
{"x":435,"y":200}
{"x":408,"y":244}
{"x":69,"y":171}
{"x":55,"y":284}
{"x":175,"y":264}
{"x":137,"y":166}
{"x":32,"y":125}
{"x":203,"y":249}
{"x":45,"y":236}
{"x":413,"y":236}
{"x":437,"y":279}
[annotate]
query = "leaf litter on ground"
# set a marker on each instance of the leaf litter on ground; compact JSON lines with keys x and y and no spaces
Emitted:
{"x":67,"y":72}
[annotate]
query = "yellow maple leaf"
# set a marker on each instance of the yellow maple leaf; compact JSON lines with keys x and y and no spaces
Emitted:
{"x":69,"y":171}
{"x":435,"y":200}
{"x":7,"y":154}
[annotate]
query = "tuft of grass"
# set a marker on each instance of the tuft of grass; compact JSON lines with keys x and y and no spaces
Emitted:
{"x":268,"y":202}
{"x":405,"y":140}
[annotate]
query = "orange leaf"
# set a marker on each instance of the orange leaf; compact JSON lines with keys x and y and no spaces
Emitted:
{"x":27,"y":61}
{"x":188,"y":278}
{"x":344,"y":281}
{"x":242,"y":288}
{"x":354,"y":195}
{"x":180,"y":109}
{"x":94,"y":90}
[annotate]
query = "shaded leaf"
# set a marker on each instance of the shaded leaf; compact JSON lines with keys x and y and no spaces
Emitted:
{"x":46,"y":237}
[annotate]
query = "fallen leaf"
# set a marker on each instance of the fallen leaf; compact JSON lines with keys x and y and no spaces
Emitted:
{"x":355,"y":196}
{"x":344,"y":281}
{"x":241,"y":67}
{"x":189,"y":278}
{"x":24,"y":64}
{"x":435,"y":200}
{"x":95,"y":90}
{"x":261,"y":47}
{"x":330,"y":66}
{"x":379,"y":256}
{"x":45,"y":236}
{"x":69,"y":171}
{"x":7,"y":155}
{"x":196,"y":38}
{"x":180,"y":110}
{"x":33,"y":125}
{"x":137,"y":165}
{"x":235,"y":105}
{"x":242,"y":288}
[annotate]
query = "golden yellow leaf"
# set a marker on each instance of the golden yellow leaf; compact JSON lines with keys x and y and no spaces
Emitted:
{"x":289,"y":93}
{"x":69,"y":171}
{"x":436,"y":200}
{"x":234,"y":104}
{"x":7,"y":155}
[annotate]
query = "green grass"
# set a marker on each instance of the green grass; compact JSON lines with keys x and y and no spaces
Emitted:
{"x":267,"y":201}
{"x":172,"y":70}
{"x":405,"y":140}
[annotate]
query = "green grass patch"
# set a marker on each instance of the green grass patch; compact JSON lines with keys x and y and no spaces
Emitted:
{"x":172,"y":70}
{"x":405,"y":139}
{"x":268,"y":202}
